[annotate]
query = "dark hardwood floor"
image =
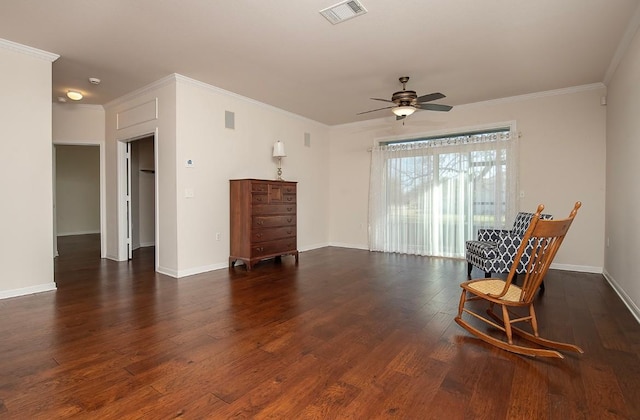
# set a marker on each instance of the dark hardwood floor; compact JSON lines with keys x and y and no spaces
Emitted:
{"x":346,"y":334}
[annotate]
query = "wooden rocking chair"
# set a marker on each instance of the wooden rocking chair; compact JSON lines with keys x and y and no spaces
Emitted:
{"x":546,"y":237}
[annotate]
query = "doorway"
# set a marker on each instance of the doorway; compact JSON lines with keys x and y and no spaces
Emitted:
{"x":77,"y":192}
{"x":142,"y":193}
{"x":137,"y":197}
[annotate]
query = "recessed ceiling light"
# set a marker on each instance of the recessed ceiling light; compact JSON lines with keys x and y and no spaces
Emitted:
{"x":94,"y":80}
{"x":73,"y":95}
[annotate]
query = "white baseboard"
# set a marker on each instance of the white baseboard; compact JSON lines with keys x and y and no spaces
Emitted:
{"x":343,"y":245}
{"x":578,"y":268}
{"x":203,"y":269}
{"x":633,"y":308}
{"x":47,"y":287}
{"x":167,"y":271}
{"x":312,"y":247}
{"x":84,"y":232}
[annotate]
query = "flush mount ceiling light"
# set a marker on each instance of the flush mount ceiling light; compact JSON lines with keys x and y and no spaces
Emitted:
{"x":403,"y":111}
{"x":74,"y":96}
{"x":343,"y":11}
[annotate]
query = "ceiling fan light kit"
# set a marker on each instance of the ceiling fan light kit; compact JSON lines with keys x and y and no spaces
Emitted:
{"x":406,"y":102}
{"x":403,"y":111}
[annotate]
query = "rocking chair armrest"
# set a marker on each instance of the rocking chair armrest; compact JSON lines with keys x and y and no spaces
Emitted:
{"x":491,"y":235}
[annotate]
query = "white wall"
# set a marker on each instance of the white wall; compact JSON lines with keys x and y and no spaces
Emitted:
{"x":190,"y":125}
{"x":221,"y":154}
{"x":623,"y":188}
{"x":26,"y":165}
{"x":79,"y":124}
{"x":150,"y":110}
{"x":562,"y":160}
{"x":77,"y":189}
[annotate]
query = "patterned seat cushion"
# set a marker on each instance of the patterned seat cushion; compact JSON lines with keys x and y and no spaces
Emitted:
{"x":486,"y":250}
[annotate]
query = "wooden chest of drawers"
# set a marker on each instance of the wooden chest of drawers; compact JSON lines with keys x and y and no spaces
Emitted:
{"x":263,"y":220}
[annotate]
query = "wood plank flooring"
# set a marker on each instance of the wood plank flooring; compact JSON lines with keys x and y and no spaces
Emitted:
{"x":346,"y":334}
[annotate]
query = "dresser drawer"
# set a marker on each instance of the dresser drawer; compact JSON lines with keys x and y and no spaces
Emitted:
{"x":273,"y":221}
{"x":289,"y":198}
{"x":262,"y":235}
{"x":272,"y":197}
{"x":259,"y":186}
{"x":260,"y":209}
{"x":274,"y":247}
{"x":259,"y":198}
{"x":289,"y":189}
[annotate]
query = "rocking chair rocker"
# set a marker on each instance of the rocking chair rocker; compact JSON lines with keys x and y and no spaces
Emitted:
{"x":546,"y":236}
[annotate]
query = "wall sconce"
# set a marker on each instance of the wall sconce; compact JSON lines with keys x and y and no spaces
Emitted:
{"x":278,"y":152}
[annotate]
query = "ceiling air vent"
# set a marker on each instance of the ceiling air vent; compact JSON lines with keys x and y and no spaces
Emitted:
{"x":343,"y":11}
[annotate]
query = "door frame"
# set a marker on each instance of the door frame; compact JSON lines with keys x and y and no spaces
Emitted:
{"x":122,"y":188}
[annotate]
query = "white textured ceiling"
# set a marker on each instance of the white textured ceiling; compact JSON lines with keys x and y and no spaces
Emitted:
{"x":285,"y":54}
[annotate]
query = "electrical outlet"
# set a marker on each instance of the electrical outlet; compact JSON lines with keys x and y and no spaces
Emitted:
{"x":217,"y":236}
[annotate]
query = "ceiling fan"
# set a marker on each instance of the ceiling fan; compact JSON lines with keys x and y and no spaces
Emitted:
{"x":406,"y":102}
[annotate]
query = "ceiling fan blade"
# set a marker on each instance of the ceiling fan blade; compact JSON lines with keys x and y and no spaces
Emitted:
{"x":373,"y":110}
{"x":383,"y":100}
{"x":434,"y":107}
{"x":430,"y":97}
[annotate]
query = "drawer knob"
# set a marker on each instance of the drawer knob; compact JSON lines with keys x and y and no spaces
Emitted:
{"x":259,"y":235}
{"x":261,"y":222}
{"x":289,"y":219}
{"x":289,"y":208}
{"x":259,"y":199}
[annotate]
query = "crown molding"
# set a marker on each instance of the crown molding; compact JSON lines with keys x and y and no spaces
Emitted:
{"x":152,"y":86}
{"x":536,"y":95}
{"x":187,"y":80}
{"x":178,"y":78}
{"x":623,"y":46}
{"x":93,"y":107}
{"x":24,"y":49}
{"x":509,"y":99}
